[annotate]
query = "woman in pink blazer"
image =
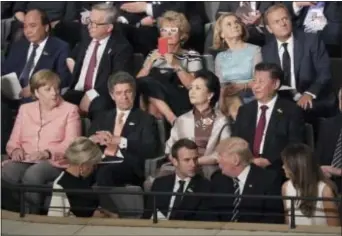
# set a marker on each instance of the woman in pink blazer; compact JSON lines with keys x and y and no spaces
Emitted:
{"x":42,"y":131}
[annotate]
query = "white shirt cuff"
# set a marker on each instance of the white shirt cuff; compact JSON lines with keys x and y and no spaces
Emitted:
{"x":92,"y":94}
{"x":313,"y":95}
{"x":296,"y":9}
{"x":149,"y":9}
{"x":123,"y":143}
{"x":123,"y":20}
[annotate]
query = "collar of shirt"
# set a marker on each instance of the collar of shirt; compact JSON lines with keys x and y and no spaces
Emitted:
{"x":126,"y":113}
{"x":270,"y":104}
{"x":102,"y":41}
{"x":177,"y":179}
{"x":289,"y":41}
{"x":243,"y":177}
{"x":41,"y":45}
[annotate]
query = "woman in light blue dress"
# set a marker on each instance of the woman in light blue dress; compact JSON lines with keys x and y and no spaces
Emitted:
{"x":235,"y":65}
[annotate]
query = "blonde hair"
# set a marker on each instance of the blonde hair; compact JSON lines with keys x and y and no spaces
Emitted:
{"x":179,"y":20}
{"x":235,"y":145}
{"x":82,"y":150}
{"x":229,"y":103}
{"x":218,"y":41}
{"x":42,"y":78}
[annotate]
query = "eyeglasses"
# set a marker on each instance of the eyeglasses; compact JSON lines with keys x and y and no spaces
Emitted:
{"x":95,"y":24}
{"x":169,"y":30}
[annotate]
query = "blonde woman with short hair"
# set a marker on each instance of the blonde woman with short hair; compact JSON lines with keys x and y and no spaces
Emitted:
{"x":82,"y":157}
{"x":42,"y":131}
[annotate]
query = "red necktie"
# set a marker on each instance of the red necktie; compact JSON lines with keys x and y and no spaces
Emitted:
{"x":259,"y":131}
{"x":88,"y":83}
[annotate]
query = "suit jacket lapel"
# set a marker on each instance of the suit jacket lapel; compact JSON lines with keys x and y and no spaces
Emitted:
{"x":272,"y":125}
{"x":297,"y":53}
{"x":249,"y":188}
{"x":105,"y":63}
{"x":164,"y":202}
{"x":131,"y":123}
{"x":44,"y":57}
{"x":274,"y":52}
{"x":251,"y":124}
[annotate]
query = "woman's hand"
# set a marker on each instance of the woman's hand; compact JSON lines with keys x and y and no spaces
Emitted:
{"x":40,"y":155}
{"x":232,"y":89}
{"x":171,"y":60}
{"x":18,"y":154}
{"x":154,"y":56}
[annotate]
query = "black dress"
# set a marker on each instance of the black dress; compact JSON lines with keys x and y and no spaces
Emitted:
{"x":163,"y":83}
{"x":81,"y":205}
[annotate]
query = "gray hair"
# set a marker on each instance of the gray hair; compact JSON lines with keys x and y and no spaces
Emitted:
{"x":236,"y":145}
{"x":82,"y":150}
{"x":111,"y":11}
{"x":121,"y":77}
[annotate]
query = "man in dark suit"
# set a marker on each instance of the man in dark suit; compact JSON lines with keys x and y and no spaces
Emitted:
{"x":184,"y":155}
{"x":128,"y":136}
{"x":329,"y":147}
{"x":270,"y":123}
{"x":238,"y":176}
{"x":37,"y":51}
{"x":305,"y":63}
{"x":320,"y":17}
{"x":139,"y":20}
{"x":95,"y":59}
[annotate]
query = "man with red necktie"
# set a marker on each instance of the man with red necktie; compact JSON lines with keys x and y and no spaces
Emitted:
{"x":95,"y":59}
{"x":269,"y":123}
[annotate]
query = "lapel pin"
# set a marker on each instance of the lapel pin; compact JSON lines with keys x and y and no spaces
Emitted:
{"x":190,"y":190}
{"x":280,"y":111}
{"x":250,"y":186}
{"x":45,"y":53}
{"x":131,"y":123}
{"x":109,"y":51}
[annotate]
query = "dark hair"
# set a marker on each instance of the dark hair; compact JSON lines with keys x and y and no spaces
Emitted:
{"x":182,"y":143}
{"x":121,"y":77}
{"x":212,"y":82}
{"x":305,"y":174}
{"x":43,"y":17}
{"x":275,"y":71}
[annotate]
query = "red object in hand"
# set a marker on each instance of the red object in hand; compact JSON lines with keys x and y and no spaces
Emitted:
{"x":163,"y":46}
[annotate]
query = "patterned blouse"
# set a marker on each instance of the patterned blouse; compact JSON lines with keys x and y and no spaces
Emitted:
{"x":203,"y":126}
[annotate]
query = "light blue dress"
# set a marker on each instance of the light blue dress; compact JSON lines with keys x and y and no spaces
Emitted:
{"x":237,"y":66}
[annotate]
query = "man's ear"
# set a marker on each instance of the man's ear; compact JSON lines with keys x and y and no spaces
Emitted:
{"x":269,"y":29}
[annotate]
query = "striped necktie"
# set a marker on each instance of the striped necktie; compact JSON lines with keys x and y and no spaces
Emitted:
{"x":337,"y":159}
{"x":237,"y":200}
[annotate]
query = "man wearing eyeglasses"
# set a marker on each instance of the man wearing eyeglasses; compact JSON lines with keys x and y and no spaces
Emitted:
{"x":95,"y":59}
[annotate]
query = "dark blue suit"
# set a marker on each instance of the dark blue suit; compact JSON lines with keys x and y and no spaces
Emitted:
{"x":311,"y":67}
{"x":53,"y":57}
{"x":332,"y":32}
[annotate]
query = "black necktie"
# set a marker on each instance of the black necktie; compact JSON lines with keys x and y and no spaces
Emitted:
{"x":337,"y":158}
{"x":25,"y":74}
{"x":178,"y":198}
{"x":237,"y":200}
{"x":286,"y":66}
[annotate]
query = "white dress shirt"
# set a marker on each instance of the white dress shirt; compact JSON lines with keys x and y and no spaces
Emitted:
{"x":290,"y":49}
{"x":269,"y":111}
{"x":123,"y":140}
{"x":243,"y":178}
{"x":175,"y":189}
{"x":39,"y":52}
{"x":100,"y":50}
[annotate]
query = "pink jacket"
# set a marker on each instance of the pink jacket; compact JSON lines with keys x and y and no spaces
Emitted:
{"x":55,"y":133}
